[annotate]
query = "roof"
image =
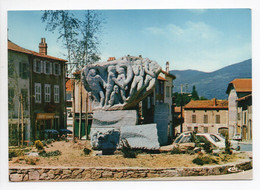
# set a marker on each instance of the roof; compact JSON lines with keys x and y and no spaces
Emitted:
{"x":161,"y":78}
{"x":240,"y":85}
{"x":14,"y":47}
{"x":244,"y":98}
{"x":207,"y":104}
{"x":168,"y":74}
{"x":69,"y":84}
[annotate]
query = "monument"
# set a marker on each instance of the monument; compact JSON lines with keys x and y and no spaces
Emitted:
{"x":116,"y":87}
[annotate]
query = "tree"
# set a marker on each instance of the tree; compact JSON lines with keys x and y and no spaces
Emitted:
{"x":80,"y":37}
{"x":194,"y":93}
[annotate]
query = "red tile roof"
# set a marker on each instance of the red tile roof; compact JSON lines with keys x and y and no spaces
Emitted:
{"x":12,"y":46}
{"x":214,"y":103}
{"x":168,"y":74}
{"x":69,"y":84}
{"x":161,"y":78}
{"x":241,"y":85}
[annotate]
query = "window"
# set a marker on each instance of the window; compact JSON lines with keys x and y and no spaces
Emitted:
{"x":47,"y":68}
{"x":196,"y":129}
{"x":244,"y":118}
{"x":238,"y":116}
{"x":38,"y":90}
{"x":218,"y":119}
{"x":189,"y":128}
{"x":38,"y":66}
{"x":24,"y":93}
{"x":206,"y":129}
{"x":23,"y":70}
{"x":216,"y":139}
{"x":205,"y":119}
{"x":57,"y":69}
{"x":47,"y":90}
{"x":193,"y":118}
{"x":167,"y":91}
{"x":56,"y":94}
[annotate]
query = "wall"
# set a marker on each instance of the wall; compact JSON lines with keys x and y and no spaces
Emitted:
{"x":91,"y":174}
{"x":212,"y":126}
{"x":232,"y":112}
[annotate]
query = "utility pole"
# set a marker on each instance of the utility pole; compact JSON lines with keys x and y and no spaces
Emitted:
{"x":73,"y":107}
{"x":181,"y":129}
{"x":18,"y":126}
{"x":80,"y":104}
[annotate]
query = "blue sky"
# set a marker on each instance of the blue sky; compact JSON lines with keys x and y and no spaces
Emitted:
{"x":200,"y":39}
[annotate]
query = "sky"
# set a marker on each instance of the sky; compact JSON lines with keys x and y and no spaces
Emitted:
{"x":198,"y":39}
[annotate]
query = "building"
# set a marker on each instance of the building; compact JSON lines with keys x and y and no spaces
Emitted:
{"x":75,"y":89}
{"x":206,"y":116}
{"x":39,"y":79}
{"x":157,"y":107}
{"x":240,"y":102}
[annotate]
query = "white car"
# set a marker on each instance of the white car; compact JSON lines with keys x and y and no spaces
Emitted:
{"x":216,"y":140}
{"x":237,"y":137}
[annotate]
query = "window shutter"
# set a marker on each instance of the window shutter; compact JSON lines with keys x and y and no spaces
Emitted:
{"x":42,"y":67}
{"x":53,"y":68}
{"x":59,"y":69}
{"x":50,"y":68}
{"x":34,"y":65}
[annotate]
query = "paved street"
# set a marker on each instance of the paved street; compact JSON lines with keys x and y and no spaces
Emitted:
{"x":245,"y":175}
{"x":245,"y":146}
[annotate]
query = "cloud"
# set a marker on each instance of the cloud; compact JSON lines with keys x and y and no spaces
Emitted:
{"x":198,"y":11}
{"x":190,"y":32}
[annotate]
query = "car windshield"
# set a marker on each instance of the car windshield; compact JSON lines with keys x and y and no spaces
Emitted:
{"x":178,"y":139}
{"x":216,"y":139}
{"x":186,"y":139}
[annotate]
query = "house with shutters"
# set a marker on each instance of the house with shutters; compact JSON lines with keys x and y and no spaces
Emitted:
{"x":206,"y":116}
{"x":39,"y":79}
{"x":240,"y":108}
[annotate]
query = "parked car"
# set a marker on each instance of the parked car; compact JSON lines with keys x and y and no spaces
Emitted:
{"x":216,"y":140}
{"x":237,"y":137}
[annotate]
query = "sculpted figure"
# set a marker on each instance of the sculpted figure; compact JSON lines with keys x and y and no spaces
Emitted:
{"x":151,"y":68}
{"x":111,"y":80}
{"x":138,"y":77}
{"x":115,"y":97}
{"x":95,"y":83}
{"x":121,"y":79}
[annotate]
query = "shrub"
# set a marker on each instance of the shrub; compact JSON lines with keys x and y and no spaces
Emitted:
{"x":49,"y":154}
{"x":127,"y":151}
{"x":176,"y":150}
{"x":38,"y":145}
{"x":49,"y":141}
{"x":15,"y":153}
{"x":31,"y":161}
{"x":86,"y":151}
{"x":190,"y":152}
{"x":227,"y":146}
{"x":207,"y":147}
{"x":201,"y":160}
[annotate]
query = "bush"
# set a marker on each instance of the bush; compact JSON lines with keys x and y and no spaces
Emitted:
{"x":127,"y":151}
{"x":86,"y":151}
{"x":227,"y":146}
{"x":49,"y":141}
{"x":201,"y":160}
{"x":15,"y":153}
{"x":207,"y":147}
{"x":49,"y":154}
{"x":31,"y":161}
{"x":176,"y":150}
{"x":38,"y":145}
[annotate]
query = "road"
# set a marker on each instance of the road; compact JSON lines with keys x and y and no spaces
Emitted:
{"x":245,"y":146}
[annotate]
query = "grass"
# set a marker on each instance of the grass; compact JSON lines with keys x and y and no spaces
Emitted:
{"x":72,"y":155}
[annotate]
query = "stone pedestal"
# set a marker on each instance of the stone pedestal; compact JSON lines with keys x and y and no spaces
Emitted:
{"x":106,"y":125}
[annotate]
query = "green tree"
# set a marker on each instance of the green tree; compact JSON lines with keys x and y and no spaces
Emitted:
{"x":194,"y":93}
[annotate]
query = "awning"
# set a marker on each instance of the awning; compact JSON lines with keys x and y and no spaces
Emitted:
{"x":45,"y":116}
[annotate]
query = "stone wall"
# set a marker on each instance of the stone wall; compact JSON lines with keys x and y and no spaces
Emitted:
{"x":92,"y":174}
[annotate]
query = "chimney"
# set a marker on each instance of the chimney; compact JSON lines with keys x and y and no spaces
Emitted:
{"x":215,"y":101}
{"x":167,"y":66}
{"x":43,"y":47}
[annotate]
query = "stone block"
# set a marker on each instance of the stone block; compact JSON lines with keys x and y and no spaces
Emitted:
{"x":141,"y":136}
{"x":118,"y":174}
{"x":16,"y":177}
{"x":86,"y":174}
{"x":34,"y":175}
{"x":44,"y":176}
{"x":107,"y":174}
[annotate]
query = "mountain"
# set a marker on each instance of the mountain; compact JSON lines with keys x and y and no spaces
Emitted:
{"x":213,"y":84}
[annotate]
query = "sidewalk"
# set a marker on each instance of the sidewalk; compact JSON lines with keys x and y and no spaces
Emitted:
{"x":244,"y":175}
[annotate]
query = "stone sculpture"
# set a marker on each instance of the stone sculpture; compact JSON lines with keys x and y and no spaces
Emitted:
{"x":121,"y":83}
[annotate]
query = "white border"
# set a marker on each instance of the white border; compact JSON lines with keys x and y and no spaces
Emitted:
{"x":123,"y":4}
